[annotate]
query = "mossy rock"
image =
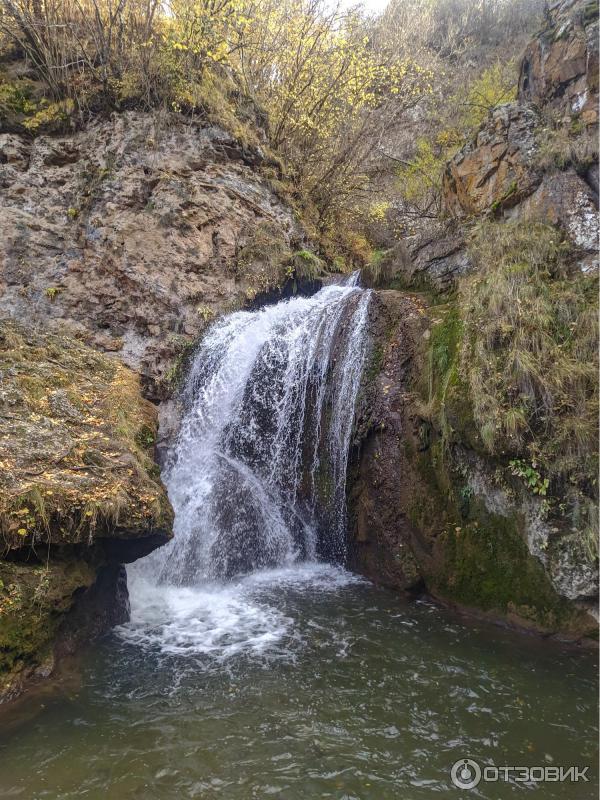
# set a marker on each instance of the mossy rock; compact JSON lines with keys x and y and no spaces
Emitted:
{"x":33,"y":601}
{"x":77,"y":445}
{"x":307,"y":265}
{"x":487,"y":566}
{"x":480,"y":559}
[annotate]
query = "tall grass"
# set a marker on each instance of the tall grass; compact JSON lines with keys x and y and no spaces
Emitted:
{"x":529,"y":352}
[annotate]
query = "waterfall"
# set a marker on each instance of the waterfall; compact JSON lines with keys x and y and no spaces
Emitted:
{"x":257,"y":475}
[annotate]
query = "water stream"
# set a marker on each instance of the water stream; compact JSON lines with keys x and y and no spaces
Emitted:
{"x":269,"y":410}
{"x":254,"y":664}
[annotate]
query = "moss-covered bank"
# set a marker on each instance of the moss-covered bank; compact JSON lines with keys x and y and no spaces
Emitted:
{"x":80,"y":494}
{"x":434,"y":506}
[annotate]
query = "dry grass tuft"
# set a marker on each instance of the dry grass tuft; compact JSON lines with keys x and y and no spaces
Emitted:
{"x":529,"y":351}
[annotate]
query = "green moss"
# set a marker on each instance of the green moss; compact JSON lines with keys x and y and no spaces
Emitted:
{"x":487,"y":566}
{"x":447,"y":400}
{"x":443,"y":347}
{"x":307,"y":265}
{"x":489,"y":347}
{"x":374,"y":363}
{"x":183,"y":349}
{"x":480,"y":559}
{"x":33,"y":599}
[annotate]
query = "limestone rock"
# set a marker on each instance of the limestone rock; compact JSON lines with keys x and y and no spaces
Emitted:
{"x":129,"y":232}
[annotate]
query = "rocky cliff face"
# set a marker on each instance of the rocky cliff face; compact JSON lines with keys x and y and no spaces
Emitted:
{"x":433,"y":505}
{"x":559,"y":69}
{"x":429,"y":510}
{"x":535,"y":159}
{"x":135,"y":232}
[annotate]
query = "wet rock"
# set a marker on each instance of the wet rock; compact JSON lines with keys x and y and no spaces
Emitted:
{"x":77,"y":446}
{"x":572,"y":570}
{"x":33,"y":600}
{"x":382,"y":535}
{"x":574,"y":573}
{"x":429,"y":510}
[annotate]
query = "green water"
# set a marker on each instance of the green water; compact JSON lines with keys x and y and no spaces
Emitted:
{"x":302,"y":685}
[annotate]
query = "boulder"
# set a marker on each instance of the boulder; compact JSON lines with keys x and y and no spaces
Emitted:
{"x":495,"y":170}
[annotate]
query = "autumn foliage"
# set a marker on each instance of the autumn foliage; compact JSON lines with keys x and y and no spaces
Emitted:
{"x":329,"y":87}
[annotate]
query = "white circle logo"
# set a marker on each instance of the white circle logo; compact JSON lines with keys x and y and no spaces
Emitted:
{"x":465,"y":773}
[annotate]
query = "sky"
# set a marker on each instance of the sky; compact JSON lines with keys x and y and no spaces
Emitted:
{"x":371,"y":6}
{"x":375,"y":5}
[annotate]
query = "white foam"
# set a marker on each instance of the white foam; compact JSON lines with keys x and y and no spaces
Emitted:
{"x":221,"y":620}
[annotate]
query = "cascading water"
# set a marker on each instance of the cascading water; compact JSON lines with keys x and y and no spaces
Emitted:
{"x":259,"y":466}
{"x":257,"y":478}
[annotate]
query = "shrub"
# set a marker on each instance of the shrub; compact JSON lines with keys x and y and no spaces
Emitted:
{"x":420,"y":177}
{"x":329,"y":88}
